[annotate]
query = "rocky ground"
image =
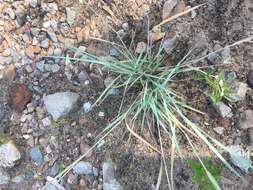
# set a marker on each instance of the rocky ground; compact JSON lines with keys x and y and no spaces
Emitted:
{"x":46,"y":120}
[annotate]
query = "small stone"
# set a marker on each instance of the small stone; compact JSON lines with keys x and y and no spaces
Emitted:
{"x":83,"y":76}
{"x":169,"y":44}
{"x":109,"y":180}
{"x":71,"y":15}
{"x":44,"y":44}
{"x":239,"y":158}
{"x":213,"y":58}
{"x":9,"y":154}
{"x":57,"y":52}
{"x":141,"y":47}
{"x":33,"y":3}
{"x":125,"y":26}
{"x":101,"y":114}
{"x":168,"y":6}
{"x":6,"y":53}
{"x":231,"y":76}
{"x":52,"y":68}
{"x":87,"y":107}
{"x":47,"y":24}
{"x":121,"y":34}
{"x":36,"y":155}
{"x":55,"y":170}
{"x":250,"y":78}
{"x":60,"y":103}
{"x":239,"y":91}
{"x":52,"y":36}
{"x":219,"y":130}
{"x":223,"y":110}
{"x":226,"y":56}
{"x":251,"y":137}
{"x":108,"y":81}
{"x":21,"y":19}
{"x":35,"y":31}
{"x":247,"y":121}
{"x":10,"y":12}
{"x":114,"y":52}
{"x":4,"y":177}
{"x":29,"y":68}
{"x":10,"y":72}
{"x":193,"y":14}
{"x":83,"y":182}
{"x":83,"y":168}
{"x":46,"y":122}
{"x":40,"y":66}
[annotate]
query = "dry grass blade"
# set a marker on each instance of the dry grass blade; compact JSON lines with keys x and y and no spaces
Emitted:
{"x":177,"y":15}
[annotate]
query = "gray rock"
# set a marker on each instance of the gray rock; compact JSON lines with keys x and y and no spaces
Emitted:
{"x":35,"y":31}
{"x":219,"y":130}
{"x":223,"y":110}
{"x":121,"y":34}
{"x":169,"y":44}
{"x":18,"y":179}
{"x":36,"y":155}
{"x":168,"y":7}
{"x":33,"y":3}
{"x":83,"y":76}
{"x":125,"y":26}
{"x":213,"y":57}
{"x":231,"y":76}
{"x":109,"y":180}
{"x":87,"y":107}
{"x":226,"y":56}
{"x":57,"y":52}
{"x":54,"y":24}
{"x":52,"y":36}
{"x":247,"y":121}
{"x":60,"y":104}
{"x":114,"y":52}
{"x":239,"y":158}
{"x":44,"y":44}
{"x":4,"y":177}
{"x":52,"y":68}
{"x":46,"y":121}
{"x":40,"y":66}
{"x":71,"y":15}
{"x":9,"y":154}
{"x":239,"y":91}
{"x":55,"y":169}
{"x":83,"y":168}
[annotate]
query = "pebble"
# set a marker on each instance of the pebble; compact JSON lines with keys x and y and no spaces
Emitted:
{"x":52,"y":36}
{"x":219,"y":130}
{"x":239,"y":158}
{"x":60,"y":104}
{"x":109,"y":180}
{"x":83,"y":76}
{"x":46,"y":121}
{"x":72,"y":179}
{"x":213,"y":58}
{"x":169,"y":44}
{"x":36,"y":155}
{"x":4,"y":177}
{"x":9,"y":154}
{"x":125,"y":26}
{"x":44,"y":44}
{"x":114,"y":52}
{"x":83,"y":168}
{"x":28,"y":68}
{"x":239,"y":91}
{"x":33,"y":3}
{"x":71,"y":15}
{"x":246,"y":122}
{"x":231,"y":76}
{"x":87,"y":107}
{"x":55,"y":169}
{"x":250,"y":78}
{"x":121,"y":34}
{"x":141,"y":47}
{"x":40,"y":66}
{"x":84,"y":149}
{"x":57,"y":52}
{"x":226,"y":56}
{"x":168,"y":6}
{"x":223,"y":110}
{"x":52,"y":68}
{"x":251,"y":137}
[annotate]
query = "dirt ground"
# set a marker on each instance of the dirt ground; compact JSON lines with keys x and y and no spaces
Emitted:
{"x":216,"y":24}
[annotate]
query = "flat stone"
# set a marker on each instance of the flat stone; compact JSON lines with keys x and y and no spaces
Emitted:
{"x":239,"y":91}
{"x":247,"y":121}
{"x":223,"y":110}
{"x":168,"y":6}
{"x":109,"y":180}
{"x":87,"y":107}
{"x":83,"y":168}
{"x":36,"y":155}
{"x":114,"y":52}
{"x":9,"y":154}
{"x":219,"y":130}
{"x":60,"y":104}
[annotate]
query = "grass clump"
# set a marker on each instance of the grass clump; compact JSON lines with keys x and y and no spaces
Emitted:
{"x":199,"y":174}
{"x":219,"y":85}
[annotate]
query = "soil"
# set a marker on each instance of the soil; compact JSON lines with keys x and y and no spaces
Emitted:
{"x":217,"y":24}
